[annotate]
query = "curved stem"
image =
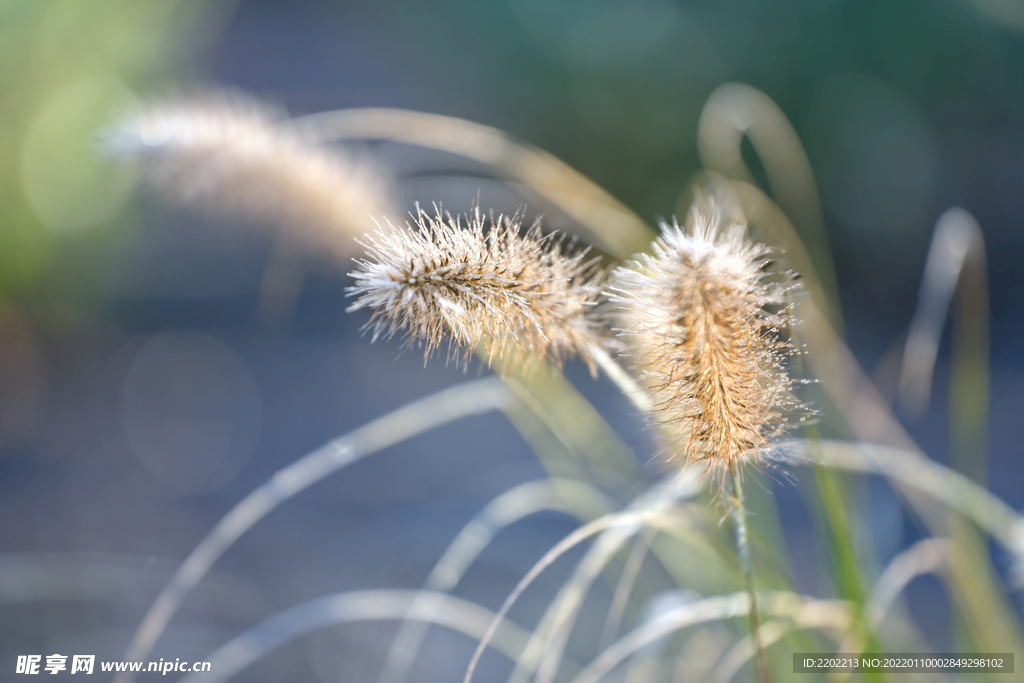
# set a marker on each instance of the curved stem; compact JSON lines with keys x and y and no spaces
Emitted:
{"x":636,"y":394}
{"x":429,"y":607}
{"x":805,"y":612}
{"x":641,"y":548}
{"x":911,"y":472}
{"x":613,"y":226}
{"x":563,"y":495}
{"x":633,"y":521}
{"x":463,"y":400}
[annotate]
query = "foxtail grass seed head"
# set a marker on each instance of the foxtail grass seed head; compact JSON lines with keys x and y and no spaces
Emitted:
{"x":489,"y":283}
{"x":224,"y":152}
{"x":703,"y":320}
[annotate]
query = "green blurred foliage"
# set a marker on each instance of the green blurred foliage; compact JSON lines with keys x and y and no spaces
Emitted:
{"x":67,"y":68}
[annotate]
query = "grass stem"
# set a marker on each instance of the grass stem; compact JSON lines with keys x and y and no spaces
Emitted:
{"x":739,"y":517}
{"x":636,"y":394}
{"x":448,"y":405}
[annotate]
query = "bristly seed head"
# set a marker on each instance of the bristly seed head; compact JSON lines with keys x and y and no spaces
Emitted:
{"x":485,"y":282}
{"x":703,"y":319}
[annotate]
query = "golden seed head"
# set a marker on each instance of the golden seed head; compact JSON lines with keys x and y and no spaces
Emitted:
{"x":485,"y":282}
{"x":703,"y":319}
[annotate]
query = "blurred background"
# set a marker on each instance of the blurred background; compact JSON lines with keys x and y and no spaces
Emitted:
{"x":143,"y":391}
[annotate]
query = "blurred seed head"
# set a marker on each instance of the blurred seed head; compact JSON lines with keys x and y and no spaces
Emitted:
{"x":224,"y":152}
{"x":703,"y":317}
{"x":485,"y":282}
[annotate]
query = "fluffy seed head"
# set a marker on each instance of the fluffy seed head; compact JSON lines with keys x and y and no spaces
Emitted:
{"x":225,"y":152}
{"x":482,"y":282}
{"x":703,"y":318}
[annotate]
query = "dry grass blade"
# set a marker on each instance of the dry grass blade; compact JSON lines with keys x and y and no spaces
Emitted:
{"x":545,"y":652}
{"x":924,"y":557}
{"x":797,"y":608}
{"x":565,"y":609}
{"x":562,"y":495}
{"x":107,"y":577}
{"x":869,"y":418}
{"x":450,"y":612}
{"x":623,"y":589}
{"x":614,"y":227}
{"x":652,"y":511}
{"x":821,"y":616}
{"x":569,"y":436}
{"x":957,"y":251}
{"x":470,"y":398}
{"x":913,"y":472}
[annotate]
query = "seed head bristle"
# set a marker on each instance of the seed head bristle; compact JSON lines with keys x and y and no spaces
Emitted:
{"x":703,"y":319}
{"x":483,"y":282}
{"x":224,"y":152}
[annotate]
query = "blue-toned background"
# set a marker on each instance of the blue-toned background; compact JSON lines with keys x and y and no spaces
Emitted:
{"x":142,"y":394}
